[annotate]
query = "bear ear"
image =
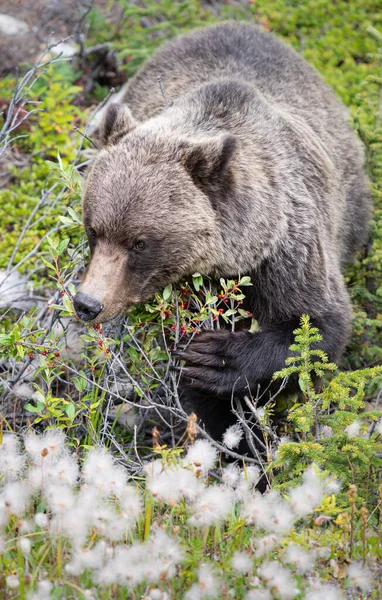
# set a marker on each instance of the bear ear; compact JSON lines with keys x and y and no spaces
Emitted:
{"x":208,"y":161}
{"x":117,"y":122}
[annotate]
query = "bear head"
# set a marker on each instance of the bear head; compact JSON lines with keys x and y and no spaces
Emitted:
{"x":149,"y":211}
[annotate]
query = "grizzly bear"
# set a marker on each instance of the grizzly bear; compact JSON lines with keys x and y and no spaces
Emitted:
{"x":249,"y":168}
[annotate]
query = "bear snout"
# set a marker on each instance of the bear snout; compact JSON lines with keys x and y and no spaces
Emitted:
{"x":86,"y":307}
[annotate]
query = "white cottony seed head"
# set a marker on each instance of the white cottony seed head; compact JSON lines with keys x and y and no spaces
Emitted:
{"x":323,"y":591}
{"x":12,"y":581}
{"x":353,"y":429}
{"x":232,"y":436}
{"x":241,"y":562}
{"x":302,"y":559}
{"x":41,"y":520}
{"x":259,"y":595}
{"x":359,"y":576}
{"x":202,"y":455}
{"x":25,"y":545}
{"x":47,"y":448}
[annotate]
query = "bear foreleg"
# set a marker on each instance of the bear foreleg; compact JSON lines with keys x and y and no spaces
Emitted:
{"x":223,"y":362}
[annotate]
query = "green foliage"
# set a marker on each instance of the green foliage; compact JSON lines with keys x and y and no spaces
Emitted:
{"x":302,"y":358}
{"x":50,"y":130}
{"x":336,"y":432}
{"x":336,"y":426}
{"x":148,"y":24}
{"x":365,"y":274}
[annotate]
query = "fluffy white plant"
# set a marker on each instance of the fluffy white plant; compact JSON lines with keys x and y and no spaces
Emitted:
{"x":233,"y":436}
{"x":96,"y":509}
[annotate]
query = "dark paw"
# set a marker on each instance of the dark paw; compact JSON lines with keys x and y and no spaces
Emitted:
{"x":212,"y":363}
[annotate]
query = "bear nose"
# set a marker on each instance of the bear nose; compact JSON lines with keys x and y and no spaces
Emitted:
{"x":86,"y":307}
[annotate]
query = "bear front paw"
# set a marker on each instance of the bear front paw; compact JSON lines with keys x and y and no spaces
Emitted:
{"x":212,"y":363}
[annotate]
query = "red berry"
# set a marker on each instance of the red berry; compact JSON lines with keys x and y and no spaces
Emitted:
{"x":221,"y":310}
{"x":57,"y":354}
{"x":173,"y":327}
{"x":107,"y":351}
{"x":171,"y":348}
{"x":63,"y":293}
{"x":166,"y":314}
{"x":100,"y":343}
{"x":220,"y":296}
{"x":31,"y":356}
{"x":215,"y":317}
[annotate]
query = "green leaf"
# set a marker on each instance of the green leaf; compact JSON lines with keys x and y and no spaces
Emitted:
{"x":66,"y":220}
{"x":167,"y":292}
{"x":134,"y":354}
{"x":62,"y":245}
{"x":138,"y":391}
{"x":80,"y":382}
{"x":20,"y":351}
{"x":48,"y":264}
{"x":31,"y":408}
{"x":302,"y":384}
{"x":52,"y":243}
{"x":197,"y":280}
{"x":74,"y":216}
{"x":34,"y":409}
{"x":70,"y":411}
{"x":87,"y":338}
{"x":245,"y":281}
{"x":67,"y":303}
{"x":40,"y":398}
{"x":52,"y":165}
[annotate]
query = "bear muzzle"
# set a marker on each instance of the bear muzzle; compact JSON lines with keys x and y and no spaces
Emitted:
{"x":87,"y":308}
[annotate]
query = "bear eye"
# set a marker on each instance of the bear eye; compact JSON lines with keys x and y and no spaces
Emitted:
{"x":139,"y":245}
{"x":92,"y":238}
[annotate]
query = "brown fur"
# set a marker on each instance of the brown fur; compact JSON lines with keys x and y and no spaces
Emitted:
{"x":252,"y":169}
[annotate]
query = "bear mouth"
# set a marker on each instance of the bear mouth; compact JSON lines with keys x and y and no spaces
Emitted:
{"x":106,"y":316}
